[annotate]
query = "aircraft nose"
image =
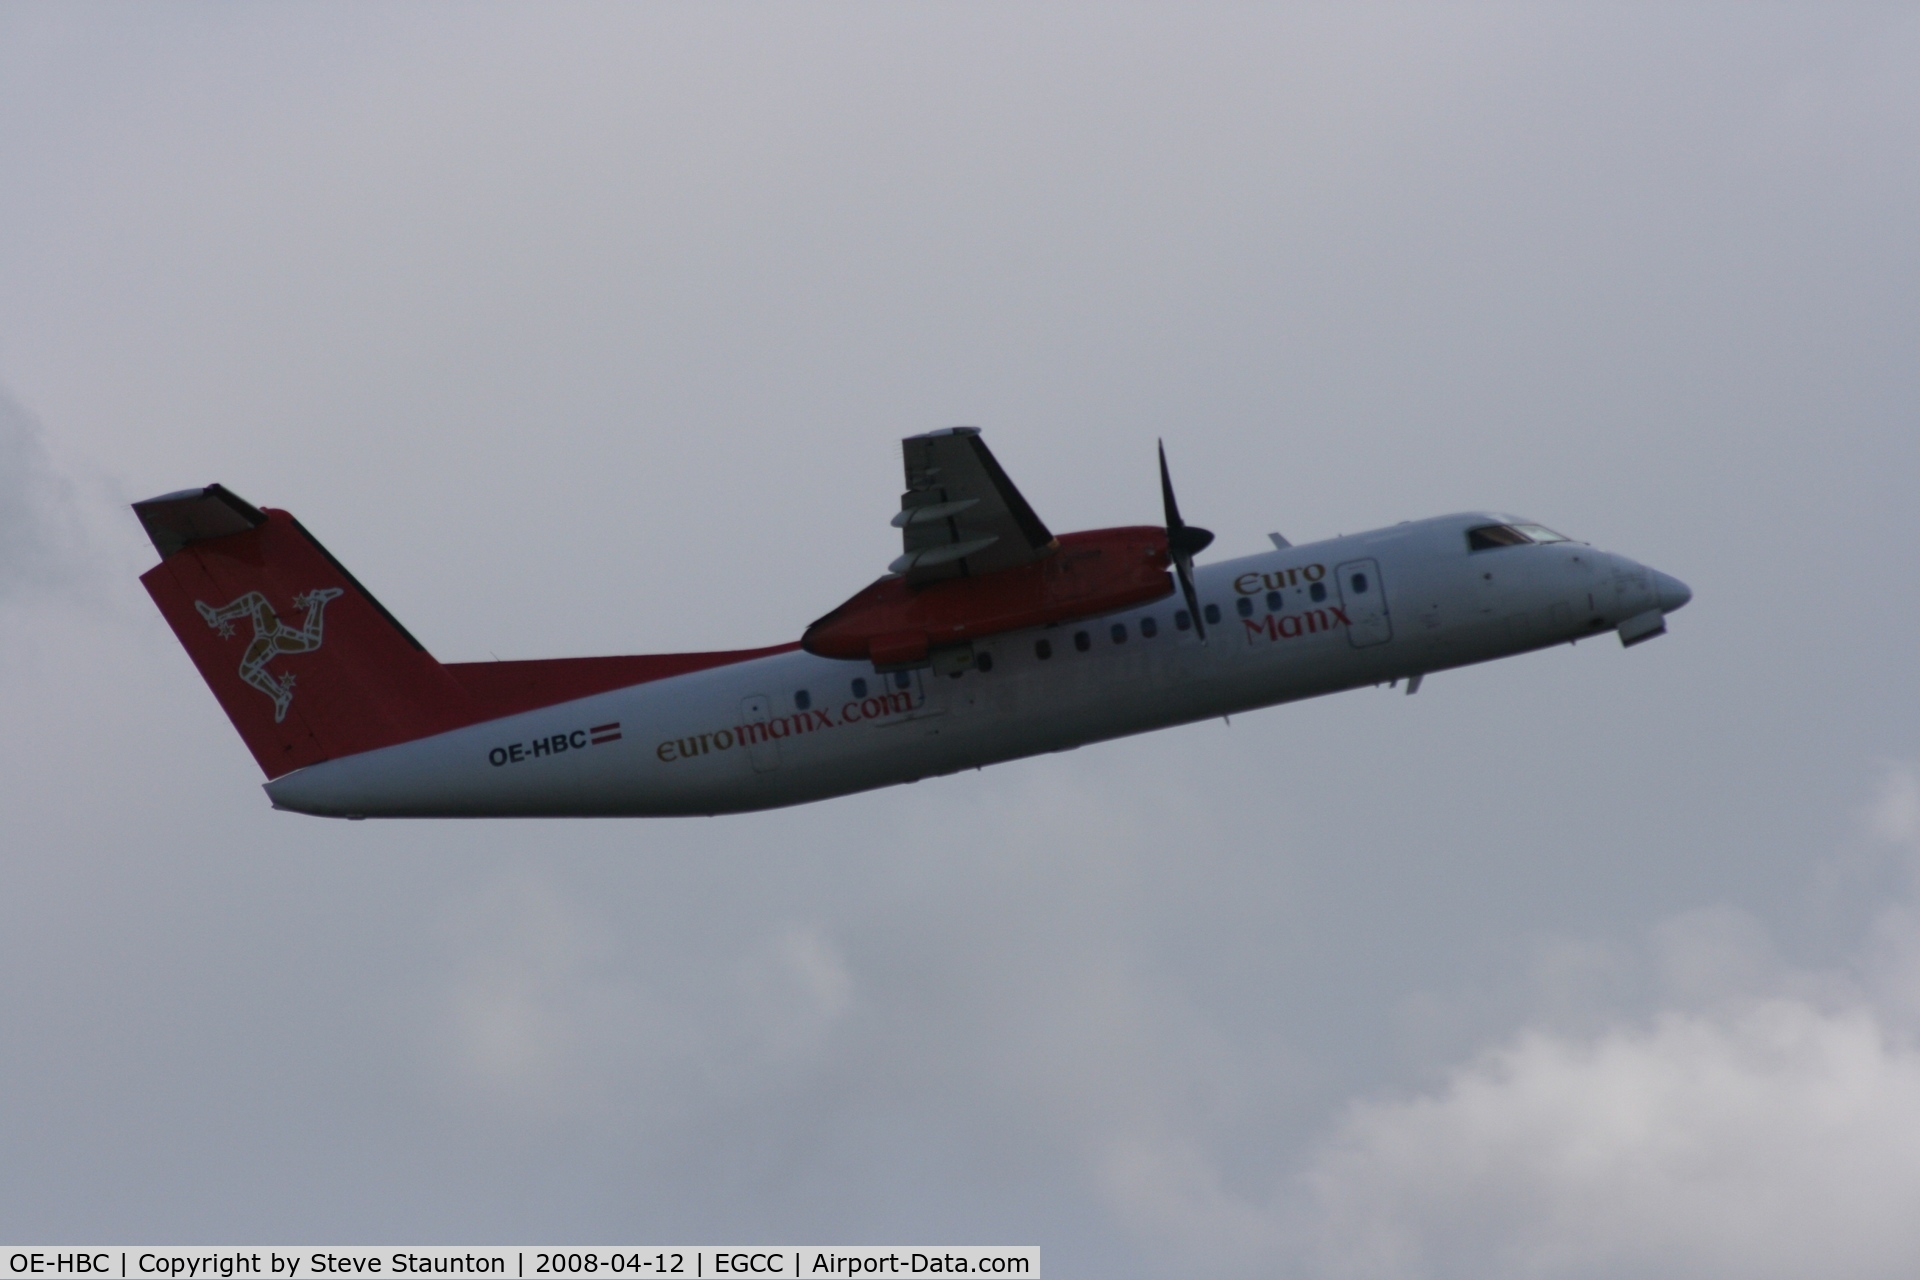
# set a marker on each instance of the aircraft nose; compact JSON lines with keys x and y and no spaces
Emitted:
{"x":1672,"y":592}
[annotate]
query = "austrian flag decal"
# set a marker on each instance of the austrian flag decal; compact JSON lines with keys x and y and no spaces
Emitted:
{"x":605,"y":733}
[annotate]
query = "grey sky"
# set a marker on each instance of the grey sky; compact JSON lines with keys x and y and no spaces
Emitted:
{"x":592,"y":329}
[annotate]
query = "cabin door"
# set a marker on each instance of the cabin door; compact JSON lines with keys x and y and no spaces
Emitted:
{"x":756,"y":710}
{"x":1365,"y":602}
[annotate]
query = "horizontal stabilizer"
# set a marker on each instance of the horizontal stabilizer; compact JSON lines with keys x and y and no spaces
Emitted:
{"x":176,"y":520}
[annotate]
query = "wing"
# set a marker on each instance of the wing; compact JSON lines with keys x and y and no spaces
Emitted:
{"x":960,"y":515}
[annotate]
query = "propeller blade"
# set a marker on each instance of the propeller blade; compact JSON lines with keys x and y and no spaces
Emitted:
{"x":1182,"y":538}
{"x":1166,"y":490}
{"x":1184,"y":542}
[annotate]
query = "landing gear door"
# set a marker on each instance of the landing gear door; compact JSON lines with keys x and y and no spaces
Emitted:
{"x":756,"y":709}
{"x":1364,"y":600}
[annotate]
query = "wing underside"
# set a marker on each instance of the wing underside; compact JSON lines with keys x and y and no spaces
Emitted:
{"x":961,"y":516}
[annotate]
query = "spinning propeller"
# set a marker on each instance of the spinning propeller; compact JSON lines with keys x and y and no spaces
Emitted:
{"x":1184,"y":542}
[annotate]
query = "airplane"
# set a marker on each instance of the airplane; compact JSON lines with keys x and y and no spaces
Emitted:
{"x":990,"y":638}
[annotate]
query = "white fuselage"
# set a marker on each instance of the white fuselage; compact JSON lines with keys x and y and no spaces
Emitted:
{"x":791,"y":728}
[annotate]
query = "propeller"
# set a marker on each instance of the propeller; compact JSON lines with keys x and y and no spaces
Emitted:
{"x":1184,"y":542}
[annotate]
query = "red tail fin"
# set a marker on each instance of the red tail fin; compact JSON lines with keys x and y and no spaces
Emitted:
{"x":310,"y":667}
{"x":306,"y":664}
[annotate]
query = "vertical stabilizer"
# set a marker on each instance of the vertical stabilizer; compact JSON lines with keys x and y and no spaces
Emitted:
{"x":305,"y":662}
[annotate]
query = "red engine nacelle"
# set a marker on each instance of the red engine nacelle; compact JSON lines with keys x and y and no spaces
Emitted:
{"x":893,"y":624}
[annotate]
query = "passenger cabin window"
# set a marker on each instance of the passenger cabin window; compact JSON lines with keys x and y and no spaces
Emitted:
{"x":1119,"y":632}
{"x":1318,"y":591}
{"x":1043,"y":649}
{"x":1212,"y":613}
{"x":1082,"y":641}
{"x":860,"y":687}
{"x":1182,"y":620}
{"x":1244,"y":606}
{"x":1148,"y":627}
{"x":1274,"y":601}
{"x":983,"y":662}
{"x":802,"y":699}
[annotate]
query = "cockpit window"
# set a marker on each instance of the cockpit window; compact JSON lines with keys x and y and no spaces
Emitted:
{"x":1540,"y":533}
{"x":1489,"y":536}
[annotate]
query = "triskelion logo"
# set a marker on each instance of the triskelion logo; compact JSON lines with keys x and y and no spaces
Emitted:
{"x":271,"y":638}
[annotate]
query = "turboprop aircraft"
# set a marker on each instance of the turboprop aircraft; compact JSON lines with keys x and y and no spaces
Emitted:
{"x":990,"y":638}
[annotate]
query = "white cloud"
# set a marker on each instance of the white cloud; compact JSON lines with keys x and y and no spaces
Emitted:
{"x":1756,"y":1120}
{"x":1764,"y":1127}
{"x":1769,"y":1139}
{"x":1895,"y":813}
{"x":792,"y":990}
{"x":39,"y":531}
{"x":525,"y":994}
{"x":549,"y":1013}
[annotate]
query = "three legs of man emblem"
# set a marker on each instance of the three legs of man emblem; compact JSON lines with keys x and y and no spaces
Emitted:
{"x":271,"y":638}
